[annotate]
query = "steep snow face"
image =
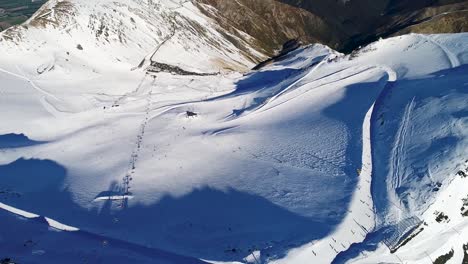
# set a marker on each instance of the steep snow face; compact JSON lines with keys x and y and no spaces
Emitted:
{"x":420,"y":148}
{"x":418,"y":130}
{"x":224,"y":167}
{"x":424,"y":74}
{"x":424,"y":123}
{"x":88,"y":37}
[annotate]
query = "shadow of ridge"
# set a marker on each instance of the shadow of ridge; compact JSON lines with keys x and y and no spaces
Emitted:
{"x":31,"y":175}
{"x":81,"y":246}
{"x":205,"y":223}
{"x":153,"y":253}
{"x":258,"y":80}
{"x":221,"y":225}
{"x":17,"y":141}
{"x":371,"y":243}
{"x":351,"y":111}
{"x":40,"y":189}
{"x":263,"y":85}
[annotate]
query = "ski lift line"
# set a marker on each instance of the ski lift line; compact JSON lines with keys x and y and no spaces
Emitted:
{"x":135,"y":153}
{"x":119,"y":99}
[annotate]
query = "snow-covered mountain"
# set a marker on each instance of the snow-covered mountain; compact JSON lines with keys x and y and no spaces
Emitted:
{"x":133,"y":131}
{"x":125,"y":34}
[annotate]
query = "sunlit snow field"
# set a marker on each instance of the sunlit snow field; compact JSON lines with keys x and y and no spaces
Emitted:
{"x":292,"y":163}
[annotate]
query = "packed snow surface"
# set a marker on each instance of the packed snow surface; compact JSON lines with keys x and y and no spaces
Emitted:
{"x":317,"y":157}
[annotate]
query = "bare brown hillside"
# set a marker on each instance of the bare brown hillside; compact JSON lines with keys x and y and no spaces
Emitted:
{"x":341,"y":24}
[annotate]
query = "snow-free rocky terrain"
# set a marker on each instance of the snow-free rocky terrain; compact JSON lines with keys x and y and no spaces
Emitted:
{"x":134,"y":132}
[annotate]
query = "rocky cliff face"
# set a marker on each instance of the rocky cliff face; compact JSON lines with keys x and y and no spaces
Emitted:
{"x":343,"y":25}
{"x":270,"y":22}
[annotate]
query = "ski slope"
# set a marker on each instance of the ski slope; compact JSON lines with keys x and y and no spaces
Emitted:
{"x":425,"y":118}
{"x":311,"y":159}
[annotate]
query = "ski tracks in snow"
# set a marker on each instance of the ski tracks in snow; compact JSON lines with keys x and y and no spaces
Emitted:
{"x":392,"y":76}
{"x":50,"y":108}
{"x":294,"y":84}
{"x":398,"y":151}
{"x":124,"y":192}
{"x":23,"y":76}
{"x":452,"y":57}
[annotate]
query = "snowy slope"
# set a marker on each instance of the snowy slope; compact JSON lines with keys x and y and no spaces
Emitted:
{"x":399,"y":197}
{"x":120,"y":34}
{"x":420,"y":135}
{"x":288,"y":164}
